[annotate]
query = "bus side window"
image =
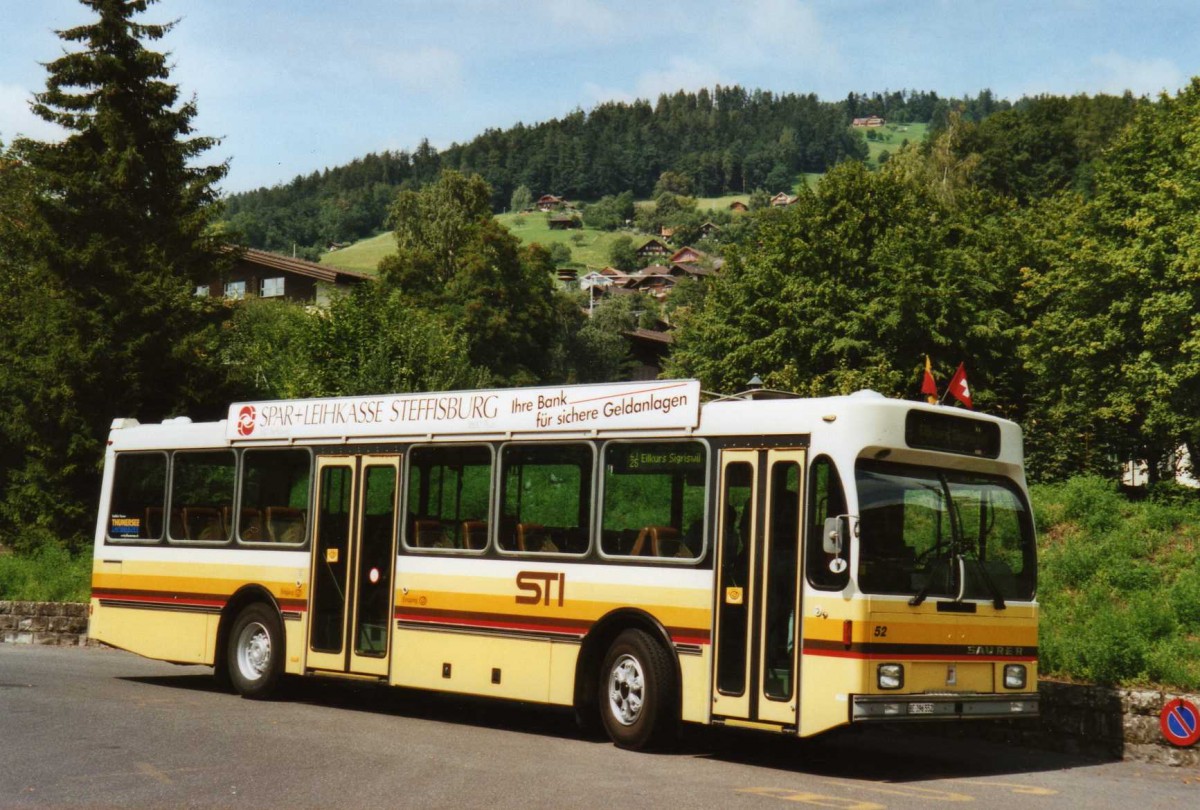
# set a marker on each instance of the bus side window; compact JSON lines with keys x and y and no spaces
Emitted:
{"x":449,"y":498}
{"x":139,"y":493}
{"x":201,"y":495}
{"x":653,"y":499}
{"x":545,"y":498}
{"x":274,"y":503}
{"x":826,"y":499}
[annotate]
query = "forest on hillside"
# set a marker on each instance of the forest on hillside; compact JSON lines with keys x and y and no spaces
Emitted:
{"x":727,"y":140}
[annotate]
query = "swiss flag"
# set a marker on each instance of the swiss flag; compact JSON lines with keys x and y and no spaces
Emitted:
{"x":958,"y":387}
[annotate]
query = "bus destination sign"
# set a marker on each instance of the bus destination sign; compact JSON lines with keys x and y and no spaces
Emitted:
{"x":661,"y":404}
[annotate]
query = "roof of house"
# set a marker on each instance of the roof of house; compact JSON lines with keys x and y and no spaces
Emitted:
{"x":687,"y":254}
{"x":651,"y":335}
{"x":656,"y":243}
{"x":299,"y":267}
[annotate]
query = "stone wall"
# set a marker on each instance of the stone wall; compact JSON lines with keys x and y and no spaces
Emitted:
{"x":1094,"y":721}
{"x":54,"y":623}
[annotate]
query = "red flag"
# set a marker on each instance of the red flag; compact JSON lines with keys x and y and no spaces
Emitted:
{"x":958,"y":387}
{"x":928,"y":386}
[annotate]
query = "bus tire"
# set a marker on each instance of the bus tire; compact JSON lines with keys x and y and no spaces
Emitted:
{"x":637,"y":695}
{"x":254,"y":656}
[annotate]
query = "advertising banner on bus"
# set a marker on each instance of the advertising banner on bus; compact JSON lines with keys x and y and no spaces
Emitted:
{"x":657,"y":404}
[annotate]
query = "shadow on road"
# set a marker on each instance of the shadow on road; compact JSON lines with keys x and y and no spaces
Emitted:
{"x":871,"y":753}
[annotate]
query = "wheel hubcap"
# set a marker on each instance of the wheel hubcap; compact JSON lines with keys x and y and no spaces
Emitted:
{"x":253,"y":651}
{"x":626,"y":690}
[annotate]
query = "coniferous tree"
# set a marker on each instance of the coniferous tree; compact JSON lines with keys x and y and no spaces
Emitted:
{"x":126,"y":210}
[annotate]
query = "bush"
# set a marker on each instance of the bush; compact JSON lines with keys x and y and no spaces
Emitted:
{"x":1118,"y":584}
{"x":50,"y":574}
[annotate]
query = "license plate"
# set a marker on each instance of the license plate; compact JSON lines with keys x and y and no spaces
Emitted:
{"x":920,"y":708}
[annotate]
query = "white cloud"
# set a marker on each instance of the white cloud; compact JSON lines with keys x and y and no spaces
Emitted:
{"x":1117,"y":73}
{"x":785,"y":31}
{"x":583,"y":16}
{"x":17,"y":119}
{"x":429,"y":69}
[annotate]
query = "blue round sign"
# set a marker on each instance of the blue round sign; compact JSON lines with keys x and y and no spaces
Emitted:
{"x":1180,"y":722}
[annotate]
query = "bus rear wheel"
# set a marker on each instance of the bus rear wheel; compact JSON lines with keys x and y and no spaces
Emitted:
{"x":254,"y":657}
{"x":637,"y":692}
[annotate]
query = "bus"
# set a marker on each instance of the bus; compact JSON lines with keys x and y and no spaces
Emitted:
{"x":778,"y":563}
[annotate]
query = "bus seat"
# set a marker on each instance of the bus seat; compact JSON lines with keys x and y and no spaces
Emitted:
{"x":153,"y":525}
{"x":657,"y":541}
{"x":474,"y":534}
{"x":203,"y":523}
{"x":250,"y":524}
{"x":285,"y":524}
{"x":427,"y":534}
{"x":534,"y":537}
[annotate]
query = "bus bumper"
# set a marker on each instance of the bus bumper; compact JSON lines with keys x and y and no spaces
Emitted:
{"x":893,"y":708}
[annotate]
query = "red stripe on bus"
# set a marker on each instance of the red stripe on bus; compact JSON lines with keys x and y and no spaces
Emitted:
{"x":961,"y":658}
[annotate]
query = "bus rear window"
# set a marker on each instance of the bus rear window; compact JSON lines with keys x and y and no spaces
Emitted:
{"x":138,"y":496}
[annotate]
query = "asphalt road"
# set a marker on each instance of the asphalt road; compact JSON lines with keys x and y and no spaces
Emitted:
{"x":101,"y":728}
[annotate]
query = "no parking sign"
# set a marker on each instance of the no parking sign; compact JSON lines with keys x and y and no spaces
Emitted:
{"x":1180,"y":723}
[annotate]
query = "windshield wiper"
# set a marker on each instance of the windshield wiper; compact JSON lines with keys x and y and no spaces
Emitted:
{"x":920,"y":595}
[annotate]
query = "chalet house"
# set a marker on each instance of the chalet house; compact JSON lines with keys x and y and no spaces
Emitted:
{"x":665,"y":232}
{"x":869,"y":121}
{"x":548,"y":202}
{"x":781,"y":199}
{"x":568,"y":277}
{"x":269,"y":275}
{"x":563,"y":222}
{"x":659,"y":286}
{"x":687,"y":255}
{"x":653,"y":247}
{"x":710,"y":230}
{"x":648,"y":347}
{"x":690,"y":269}
{"x":738,"y":205}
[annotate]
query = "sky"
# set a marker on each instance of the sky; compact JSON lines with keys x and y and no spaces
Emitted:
{"x":295,"y":86}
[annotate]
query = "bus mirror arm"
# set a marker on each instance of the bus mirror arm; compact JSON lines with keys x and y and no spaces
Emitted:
{"x":835,"y":535}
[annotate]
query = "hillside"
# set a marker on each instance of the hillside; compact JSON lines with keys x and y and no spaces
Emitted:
{"x":727,"y":140}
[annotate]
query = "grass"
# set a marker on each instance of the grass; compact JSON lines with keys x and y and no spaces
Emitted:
{"x":1118,"y":584}
{"x":49,"y":575}
{"x":892,"y":137}
{"x":589,"y":247}
{"x":363,"y":255}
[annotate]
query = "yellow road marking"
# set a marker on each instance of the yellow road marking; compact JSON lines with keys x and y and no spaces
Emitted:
{"x":1026,"y":790}
{"x":930,"y":794}
{"x":146,"y":769}
{"x":815,"y":799}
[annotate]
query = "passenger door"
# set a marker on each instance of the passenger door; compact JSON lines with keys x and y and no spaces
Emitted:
{"x":756,"y":638}
{"x":353,"y":563}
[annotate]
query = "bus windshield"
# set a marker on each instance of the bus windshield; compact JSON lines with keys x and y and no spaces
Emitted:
{"x":943,"y":533}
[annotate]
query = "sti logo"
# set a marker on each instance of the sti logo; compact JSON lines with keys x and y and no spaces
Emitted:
{"x":245,"y":423}
{"x":539,"y":586}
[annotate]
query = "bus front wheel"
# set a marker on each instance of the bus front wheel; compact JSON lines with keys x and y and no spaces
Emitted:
{"x":637,"y":692}
{"x":255,"y":654}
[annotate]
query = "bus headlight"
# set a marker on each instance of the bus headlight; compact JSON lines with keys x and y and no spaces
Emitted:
{"x":1014,"y":676}
{"x":891,"y":676}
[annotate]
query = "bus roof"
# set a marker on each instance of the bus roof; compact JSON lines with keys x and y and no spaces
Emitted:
{"x":668,"y":408}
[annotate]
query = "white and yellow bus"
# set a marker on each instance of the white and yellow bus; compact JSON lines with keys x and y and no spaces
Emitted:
{"x":786,"y":564}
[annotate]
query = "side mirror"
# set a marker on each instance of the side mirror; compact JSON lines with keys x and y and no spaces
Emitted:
{"x":834,"y":539}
